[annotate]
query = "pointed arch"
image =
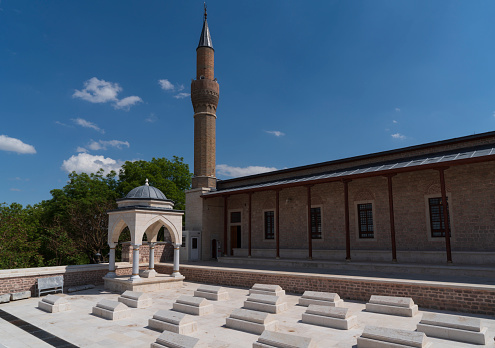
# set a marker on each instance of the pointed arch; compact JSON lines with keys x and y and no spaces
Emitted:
{"x":156,"y":223}
{"x":115,"y":228}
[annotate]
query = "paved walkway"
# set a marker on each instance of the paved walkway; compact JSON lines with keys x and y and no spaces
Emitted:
{"x":80,"y":328}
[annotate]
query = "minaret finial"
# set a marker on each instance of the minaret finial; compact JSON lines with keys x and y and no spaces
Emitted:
{"x":146,"y":183}
{"x":205,"y":10}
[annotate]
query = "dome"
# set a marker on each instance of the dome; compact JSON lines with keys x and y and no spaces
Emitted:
{"x":146,"y":192}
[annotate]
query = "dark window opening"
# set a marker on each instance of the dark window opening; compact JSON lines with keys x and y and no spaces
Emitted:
{"x":365,"y":218}
{"x":194,"y":243}
{"x":315,"y":223}
{"x":436,"y":217}
{"x":235,"y":217}
{"x":269,"y":225}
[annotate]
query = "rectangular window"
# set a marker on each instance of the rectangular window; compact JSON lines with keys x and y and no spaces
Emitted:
{"x":269,"y":225}
{"x":316,"y":223}
{"x":183,"y":242}
{"x":436,"y":216}
{"x":365,"y":218}
{"x":235,"y":217}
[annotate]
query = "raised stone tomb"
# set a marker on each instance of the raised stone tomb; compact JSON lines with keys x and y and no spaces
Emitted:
{"x":282,"y":340}
{"x":135,"y":299}
{"x":453,"y":327}
{"x":320,"y":298}
{"x":382,"y":337}
{"x":266,"y":303}
{"x":193,"y":305}
{"x":176,"y":322}
{"x":251,"y":321}
{"x":174,"y":340}
{"x":403,"y":306}
{"x":54,"y":304}
{"x":20,"y":295}
{"x":267,"y":289}
{"x":210,"y":292}
{"x":334,"y":317}
{"x":112,"y":310}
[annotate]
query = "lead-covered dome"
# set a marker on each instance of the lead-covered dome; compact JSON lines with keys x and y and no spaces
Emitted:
{"x":146,"y":192}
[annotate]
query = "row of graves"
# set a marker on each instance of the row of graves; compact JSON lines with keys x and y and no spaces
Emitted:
{"x":259,"y":316}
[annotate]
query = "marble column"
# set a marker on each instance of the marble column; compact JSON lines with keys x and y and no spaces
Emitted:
{"x":135,"y":263}
{"x":175,"y":272}
{"x":150,"y":272}
{"x":111,"y":262}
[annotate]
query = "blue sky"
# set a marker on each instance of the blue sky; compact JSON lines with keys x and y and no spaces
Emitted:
{"x":91,"y":83}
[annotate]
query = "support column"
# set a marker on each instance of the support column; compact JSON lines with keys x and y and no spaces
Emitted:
{"x":135,"y":263}
{"x":392,"y":217}
{"x":111,"y":262}
{"x":150,"y":272}
{"x":175,"y":272}
{"x":249,"y":225}
{"x":277,"y":219}
{"x":347,"y":228}
{"x":445,"y":214}
{"x":310,"y":239}
{"x":225,"y":220}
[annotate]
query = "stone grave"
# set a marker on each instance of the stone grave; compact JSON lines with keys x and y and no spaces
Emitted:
{"x":453,"y":327}
{"x":251,"y":321}
{"x":403,"y":306}
{"x":382,"y":337}
{"x":334,"y":317}
{"x":265,"y":303}
{"x":174,"y":340}
{"x":274,"y":339}
{"x":320,"y":298}
{"x":267,"y":289}
{"x":112,"y":310}
{"x":54,"y":304}
{"x":193,"y":305}
{"x":20,"y":295}
{"x":135,"y":299}
{"x":4,"y":298}
{"x":176,"y":322}
{"x":210,"y":292}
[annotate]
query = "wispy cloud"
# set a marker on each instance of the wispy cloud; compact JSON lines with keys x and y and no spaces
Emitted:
{"x":166,"y":85}
{"x":276,"y":133}
{"x":101,"y":91}
{"x":104,"y":144}
{"x":397,"y":110}
{"x":233,"y":172}
{"x":395,"y":121}
{"x":15,"y":145}
{"x":86,"y":124}
{"x":86,"y":163}
{"x":63,"y":124}
{"x":15,"y":189}
{"x":151,"y":118}
{"x":17,"y":178}
{"x":398,"y":136}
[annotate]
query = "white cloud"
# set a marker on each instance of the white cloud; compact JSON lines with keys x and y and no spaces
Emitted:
{"x":397,"y":110}
{"x":86,"y":163}
{"x":395,"y":121}
{"x":86,"y":124}
{"x":181,"y":95}
{"x":63,"y":124}
{"x":101,"y":91}
{"x":276,"y":133}
{"x":166,"y":85}
{"x":81,"y":149}
{"x":224,"y":169}
{"x":151,"y":118}
{"x":398,"y":136}
{"x":15,"y":189}
{"x":104,"y":144}
{"x":126,"y":103}
{"x":15,"y":145}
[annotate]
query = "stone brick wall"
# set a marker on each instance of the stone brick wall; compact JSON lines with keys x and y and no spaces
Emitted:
{"x":163,"y":253}
{"x":471,"y":205}
{"x":476,"y":299}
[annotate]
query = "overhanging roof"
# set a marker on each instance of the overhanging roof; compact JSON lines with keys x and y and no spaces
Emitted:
{"x":432,"y":161}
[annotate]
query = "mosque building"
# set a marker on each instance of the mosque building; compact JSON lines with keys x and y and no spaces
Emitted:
{"x":431,"y":203}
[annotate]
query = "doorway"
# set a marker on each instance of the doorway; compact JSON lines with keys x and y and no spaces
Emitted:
{"x":214,"y":249}
{"x":194,"y":249}
{"x":235,"y":238}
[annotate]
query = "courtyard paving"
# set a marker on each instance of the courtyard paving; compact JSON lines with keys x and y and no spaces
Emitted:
{"x":79,"y":327}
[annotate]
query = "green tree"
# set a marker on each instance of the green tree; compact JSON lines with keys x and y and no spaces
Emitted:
{"x":18,"y":242}
{"x":172,"y":177}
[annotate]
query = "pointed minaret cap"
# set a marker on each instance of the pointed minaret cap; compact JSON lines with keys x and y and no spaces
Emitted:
{"x":205,"y":39}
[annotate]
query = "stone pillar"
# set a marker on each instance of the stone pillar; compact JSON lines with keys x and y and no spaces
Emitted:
{"x":135,"y":263}
{"x":111,"y":262}
{"x":175,"y":272}
{"x":150,"y":272}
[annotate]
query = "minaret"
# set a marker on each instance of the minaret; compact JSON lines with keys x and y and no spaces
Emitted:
{"x":204,"y":97}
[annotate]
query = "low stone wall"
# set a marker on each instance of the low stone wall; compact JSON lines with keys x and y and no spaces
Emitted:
{"x":469,"y":298}
{"x":163,"y":253}
{"x":23,"y":279}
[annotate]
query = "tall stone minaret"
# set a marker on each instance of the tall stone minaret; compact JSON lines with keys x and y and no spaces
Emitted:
{"x":204,"y":97}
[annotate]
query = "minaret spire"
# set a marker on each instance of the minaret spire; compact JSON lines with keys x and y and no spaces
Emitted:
{"x":204,"y":97}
